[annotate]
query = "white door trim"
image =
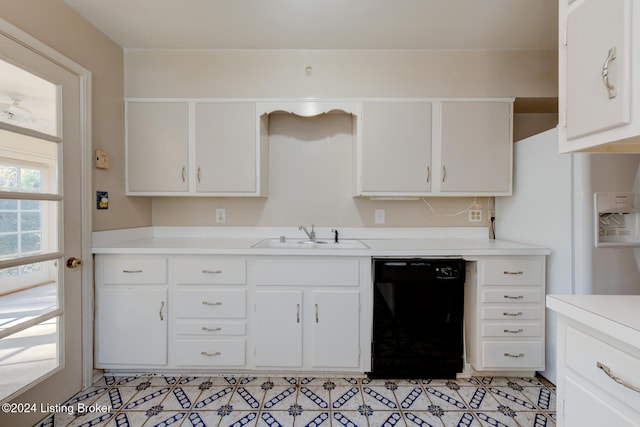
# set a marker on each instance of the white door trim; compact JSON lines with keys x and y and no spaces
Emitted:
{"x":86,"y":158}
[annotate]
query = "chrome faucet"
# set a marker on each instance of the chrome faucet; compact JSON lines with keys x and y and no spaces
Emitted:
{"x":312,"y":234}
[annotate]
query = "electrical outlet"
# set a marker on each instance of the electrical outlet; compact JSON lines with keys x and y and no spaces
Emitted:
{"x":221,"y":216}
{"x":379,"y":216}
{"x":102,"y":160}
{"x":475,"y":215}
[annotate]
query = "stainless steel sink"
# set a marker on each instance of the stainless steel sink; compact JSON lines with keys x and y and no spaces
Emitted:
{"x":310,"y":244}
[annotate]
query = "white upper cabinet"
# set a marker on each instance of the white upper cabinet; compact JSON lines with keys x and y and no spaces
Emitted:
{"x":476,"y":148}
{"x":189,"y":148}
{"x":435,"y":148}
{"x":598,"y":80}
{"x":157,"y":147}
{"x":226,"y":147}
{"x":396,"y":148}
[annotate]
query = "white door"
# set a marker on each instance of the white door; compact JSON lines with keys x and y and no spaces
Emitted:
{"x":278,"y":333}
{"x":41,"y":224}
{"x":598,"y":66}
{"x":336,"y":329}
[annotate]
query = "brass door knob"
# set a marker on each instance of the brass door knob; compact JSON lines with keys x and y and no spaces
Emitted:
{"x":74,"y":262}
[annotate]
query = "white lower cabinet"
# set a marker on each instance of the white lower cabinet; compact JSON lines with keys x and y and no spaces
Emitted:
{"x":598,"y":381}
{"x":131,"y":312}
{"x":209,"y":312}
{"x":504,"y":312}
{"x":307,"y":318}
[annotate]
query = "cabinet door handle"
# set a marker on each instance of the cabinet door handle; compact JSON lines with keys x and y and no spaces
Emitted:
{"x":513,"y":297}
{"x":184,"y":177}
{"x":517,"y":356}
{"x":444,"y":173}
{"x":513,"y":273}
{"x":619,"y":380}
{"x":198,"y":174}
{"x":212,"y":271}
{"x":428,"y":173}
{"x":205,"y":353}
{"x":211,"y":303}
{"x":204,"y":328}
{"x":514,"y":331}
{"x":161,"y":312}
{"x":132,"y":271}
{"x":297,"y":313}
{"x":512,"y":314}
{"x":317,"y":316}
{"x":611,"y":89}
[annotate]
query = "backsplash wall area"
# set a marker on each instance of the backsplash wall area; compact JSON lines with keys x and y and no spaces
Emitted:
{"x":311,"y":168}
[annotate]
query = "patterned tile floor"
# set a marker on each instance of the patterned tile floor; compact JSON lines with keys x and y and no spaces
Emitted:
{"x":321,"y":402}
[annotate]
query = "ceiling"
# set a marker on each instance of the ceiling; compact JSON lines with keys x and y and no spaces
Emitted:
{"x":325,"y":24}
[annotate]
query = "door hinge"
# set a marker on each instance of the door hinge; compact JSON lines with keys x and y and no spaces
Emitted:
{"x":564,"y":119}
{"x":565,"y":37}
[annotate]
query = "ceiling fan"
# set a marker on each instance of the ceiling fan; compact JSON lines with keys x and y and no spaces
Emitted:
{"x":12,"y":111}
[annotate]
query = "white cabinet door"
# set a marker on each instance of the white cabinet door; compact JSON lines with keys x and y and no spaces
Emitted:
{"x":131,"y":326}
{"x":226,"y":147}
{"x":336,"y":329}
{"x":157,"y":147}
{"x":598,"y":41}
{"x":583,"y":406}
{"x":476,"y":148}
{"x":396,"y":148}
{"x":278,"y":328}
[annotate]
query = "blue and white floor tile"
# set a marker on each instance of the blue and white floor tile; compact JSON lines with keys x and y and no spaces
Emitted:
{"x":168,"y":401}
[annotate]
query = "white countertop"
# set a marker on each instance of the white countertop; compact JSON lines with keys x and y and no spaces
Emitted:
{"x":228,"y":244}
{"x":614,"y":315}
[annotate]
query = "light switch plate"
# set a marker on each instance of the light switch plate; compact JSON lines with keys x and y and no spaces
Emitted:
{"x":380,"y":216}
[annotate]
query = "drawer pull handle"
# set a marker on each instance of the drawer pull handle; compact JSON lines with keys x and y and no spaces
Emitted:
{"x":514,"y":331}
{"x":513,"y":273}
{"x":517,"y":356}
{"x":211,"y":303}
{"x":512,"y":314}
{"x":514,"y":297}
{"x":204,"y":328}
{"x":132,"y":271}
{"x":212,"y":271}
{"x":620,"y":381}
{"x":205,"y":353}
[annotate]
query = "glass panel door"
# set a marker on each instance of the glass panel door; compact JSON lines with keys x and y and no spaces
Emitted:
{"x":30,"y":242}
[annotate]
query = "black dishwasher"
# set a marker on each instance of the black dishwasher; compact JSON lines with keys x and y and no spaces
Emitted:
{"x":418,"y":307}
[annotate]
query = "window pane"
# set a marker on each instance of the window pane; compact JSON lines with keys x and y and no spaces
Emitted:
{"x":28,"y":227}
{"x":18,"y":170}
{"x":8,"y":178}
{"x":8,"y":222}
{"x":35,"y":108}
{"x":27,"y":355}
{"x":8,"y":246}
{"x":30,"y":221}
{"x":27,"y":291}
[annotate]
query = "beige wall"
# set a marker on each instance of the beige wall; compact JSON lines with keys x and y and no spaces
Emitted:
{"x":55,"y":24}
{"x":310,"y":177}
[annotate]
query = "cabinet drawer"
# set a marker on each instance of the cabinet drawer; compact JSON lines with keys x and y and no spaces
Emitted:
{"x":511,"y":295}
{"x":512,"y":313}
{"x":211,"y":353}
{"x":516,"y":271}
{"x":310,"y":272}
{"x":512,"y":330}
{"x":513,"y":354}
{"x":210,"y":328}
{"x":584,"y":353}
{"x":211,"y":271}
{"x":222,"y":304}
{"x":134,"y":270}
